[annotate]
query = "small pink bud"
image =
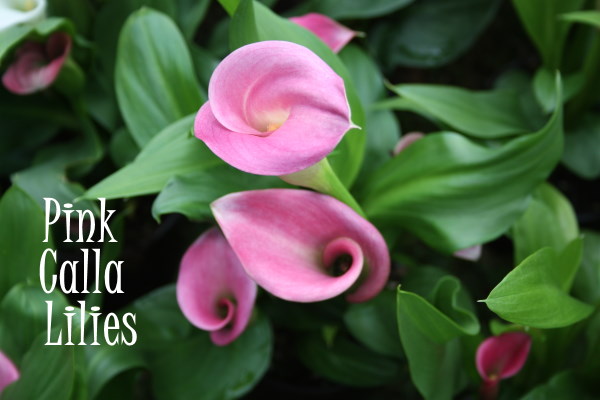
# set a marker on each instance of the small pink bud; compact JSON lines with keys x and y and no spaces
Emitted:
{"x":37,"y":64}
{"x":8,"y":372}
{"x":213,"y":290}
{"x":334,"y":34}
{"x":472,"y":253}
{"x":406,"y":140}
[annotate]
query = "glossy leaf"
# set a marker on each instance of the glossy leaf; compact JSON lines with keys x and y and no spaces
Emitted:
{"x":155,"y":80}
{"x":485,"y":114}
{"x":254,"y":22}
{"x":373,"y":323}
{"x":535,"y":292}
{"x":444,"y":187}
{"x":347,"y":363}
{"x":358,"y":9}
{"x":589,"y":17}
{"x":170,"y":153}
{"x":543,"y":85}
{"x":581,"y":147}
{"x":431,"y":33}
{"x":549,"y":209}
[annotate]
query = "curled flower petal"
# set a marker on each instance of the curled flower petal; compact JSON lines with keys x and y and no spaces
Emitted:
{"x":213,"y":290}
{"x":37,"y":65}
{"x":501,"y":357}
{"x":335,"y":35}
{"x":304,"y":246}
{"x":472,"y":253}
{"x":406,"y":140}
{"x":14,"y":12}
{"x":274,"y":108}
{"x":8,"y":372}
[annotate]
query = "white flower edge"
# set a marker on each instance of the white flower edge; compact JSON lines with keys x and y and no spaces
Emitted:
{"x":10,"y":15}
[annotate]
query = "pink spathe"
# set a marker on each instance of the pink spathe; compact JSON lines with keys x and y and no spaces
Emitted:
{"x":304,"y":246}
{"x":335,"y":35}
{"x":213,"y":290}
{"x":273,"y":108}
{"x":8,"y":372}
{"x":37,"y":65}
{"x":500,"y":357}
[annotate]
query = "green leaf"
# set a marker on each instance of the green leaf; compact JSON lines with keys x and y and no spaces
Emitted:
{"x":170,"y":153}
{"x":581,"y":153}
{"x":373,"y":323}
{"x":486,"y":114}
{"x":230,"y":5}
{"x":47,"y":373}
{"x":347,"y":363}
{"x":587,"y":281}
{"x":564,"y":385}
{"x":254,"y":22}
{"x":358,"y":9}
{"x":540,"y":18}
{"x":543,"y":85}
{"x":431,"y":33}
{"x":549,"y":209}
{"x":589,"y":17}
{"x":22,"y":234}
{"x":155,"y":80}
{"x":534,"y":293}
{"x":191,"y":194}
{"x":454,"y":193}
{"x":25,"y":316}
{"x":431,"y":341}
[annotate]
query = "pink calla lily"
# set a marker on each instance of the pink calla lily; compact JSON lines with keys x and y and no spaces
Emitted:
{"x":334,"y":34}
{"x":37,"y":64}
{"x":213,"y":290}
{"x":304,"y":246}
{"x":274,"y":108}
{"x":8,"y":372}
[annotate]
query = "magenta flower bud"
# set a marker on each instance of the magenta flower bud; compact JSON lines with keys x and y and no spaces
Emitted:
{"x":8,"y":372}
{"x":332,"y":33}
{"x":37,"y":64}
{"x":304,"y":246}
{"x":472,"y":253}
{"x":273,"y":108}
{"x":406,"y":140}
{"x":213,"y":290}
{"x":500,"y":357}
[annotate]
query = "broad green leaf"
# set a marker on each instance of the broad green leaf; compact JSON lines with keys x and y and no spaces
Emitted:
{"x":552,"y":211}
{"x":431,"y":342}
{"x":191,"y":194}
{"x":581,"y":147}
{"x":564,"y":385}
{"x":47,"y":373}
{"x":253,"y":22}
{"x":373,"y":323}
{"x":543,"y":85}
{"x":486,"y":114}
{"x":431,"y":33}
{"x":587,"y":281}
{"x":346,"y":362}
{"x":541,"y":21}
{"x":154,"y":77}
{"x":534,"y":293}
{"x":25,"y":316}
{"x":358,"y":9}
{"x":11,"y":37}
{"x":22,"y":234}
{"x":170,"y":153}
{"x":454,"y":192}
{"x":590,"y":17}
{"x":123,"y":148}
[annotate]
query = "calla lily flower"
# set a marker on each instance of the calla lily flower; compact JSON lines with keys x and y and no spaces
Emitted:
{"x":500,"y":357}
{"x":213,"y":290}
{"x":304,"y":246}
{"x":273,"y":108}
{"x":472,"y":253}
{"x":8,"y":372}
{"x":14,"y":12}
{"x":37,"y":64}
{"x":335,"y":35}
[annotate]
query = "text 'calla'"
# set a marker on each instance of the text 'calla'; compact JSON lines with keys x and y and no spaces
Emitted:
{"x":37,"y":64}
{"x":213,"y":290}
{"x":273,"y":108}
{"x":8,"y":372}
{"x":304,"y":246}
{"x":333,"y":34}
